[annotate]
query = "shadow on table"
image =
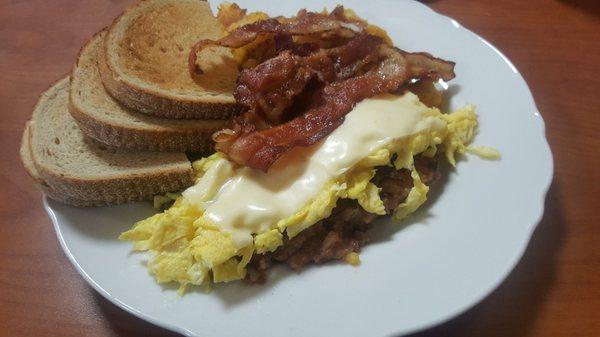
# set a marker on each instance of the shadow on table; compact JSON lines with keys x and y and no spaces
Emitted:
{"x":512,"y":308}
{"x":588,"y":6}
{"x":123,"y":323}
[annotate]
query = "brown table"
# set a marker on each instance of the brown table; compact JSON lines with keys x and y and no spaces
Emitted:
{"x":555,"y":289}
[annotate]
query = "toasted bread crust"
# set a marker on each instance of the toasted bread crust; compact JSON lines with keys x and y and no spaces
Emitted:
{"x":102,"y":190}
{"x":27,"y":161}
{"x":25,"y":156}
{"x":118,"y":191}
{"x":154,"y":100}
{"x":158,"y":103}
{"x":156,"y":135}
{"x":131,"y":139}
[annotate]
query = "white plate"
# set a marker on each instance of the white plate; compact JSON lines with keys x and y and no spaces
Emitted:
{"x":451,"y":254}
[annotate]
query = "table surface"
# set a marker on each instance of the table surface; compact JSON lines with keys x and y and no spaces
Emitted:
{"x":555,"y":289}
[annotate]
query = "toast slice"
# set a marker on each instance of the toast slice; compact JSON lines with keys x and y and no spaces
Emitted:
{"x":27,"y":161}
{"x":101,"y":117}
{"x":80,"y":168}
{"x":146,"y":57}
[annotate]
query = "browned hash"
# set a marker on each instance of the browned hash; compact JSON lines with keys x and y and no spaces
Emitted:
{"x":345,"y":231}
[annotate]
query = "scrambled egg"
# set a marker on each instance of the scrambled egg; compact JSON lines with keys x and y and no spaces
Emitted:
{"x":187,"y":248}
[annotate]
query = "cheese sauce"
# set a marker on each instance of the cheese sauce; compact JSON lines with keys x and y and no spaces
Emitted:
{"x":245,"y":201}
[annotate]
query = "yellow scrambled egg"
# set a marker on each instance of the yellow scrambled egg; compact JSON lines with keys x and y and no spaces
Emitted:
{"x":188,"y":249}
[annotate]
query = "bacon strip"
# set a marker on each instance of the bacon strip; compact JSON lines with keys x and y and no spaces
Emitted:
{"x":260,"y":149}
{"x":269,"y":88}
{"x":305,"y":23}
{"x":426,"y":66}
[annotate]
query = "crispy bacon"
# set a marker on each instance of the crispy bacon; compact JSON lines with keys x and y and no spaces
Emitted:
{"x":270,"y":88}
{"x":310,"y":73}
{"x":284,"y":42}
{"x":260,"y":149}
{"x":426,"y":66}
{"x":305,"y":23}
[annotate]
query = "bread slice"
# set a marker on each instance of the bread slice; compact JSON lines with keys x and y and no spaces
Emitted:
{"x":80,"y":168}
{"x":27,"y":161}
{"x":101,"y":117}
{"x":146,"y":53}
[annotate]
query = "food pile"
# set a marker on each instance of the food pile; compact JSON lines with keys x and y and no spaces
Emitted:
{"x":263,"y":140}
{"x":307,"y":83}
{"x":303,"y":74}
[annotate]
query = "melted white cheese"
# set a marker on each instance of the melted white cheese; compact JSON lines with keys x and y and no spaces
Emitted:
{"x":249,"y":201}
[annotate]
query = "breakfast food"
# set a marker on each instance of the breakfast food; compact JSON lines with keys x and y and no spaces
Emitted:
{"x":346,"y":65}
{"x":101,"y":117}
{"x":333,"y":137}
{"x":321,"y":125}
{"x":234,"y":215}
{"x":146,"y":52}
{"x":80,"y":170}
{"x":27,"y":161}
{"x":107,"y":159}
